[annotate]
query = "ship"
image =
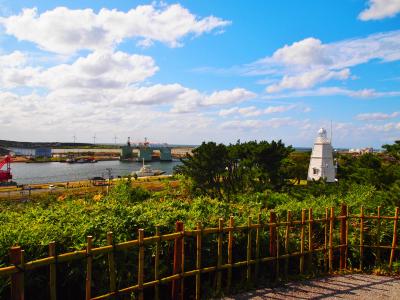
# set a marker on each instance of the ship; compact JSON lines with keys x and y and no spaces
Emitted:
{"x":146,"y":170}
{"x":81,"y":160}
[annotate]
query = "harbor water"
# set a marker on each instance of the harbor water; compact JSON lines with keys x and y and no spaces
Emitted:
{"x":30,"y":173}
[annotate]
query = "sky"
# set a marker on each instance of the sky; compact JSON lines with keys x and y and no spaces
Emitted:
{"x":191,"y":71}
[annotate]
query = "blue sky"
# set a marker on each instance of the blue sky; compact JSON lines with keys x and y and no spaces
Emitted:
{"x":184,"y":72}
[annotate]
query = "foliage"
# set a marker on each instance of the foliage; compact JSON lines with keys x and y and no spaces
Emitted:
{"x":206,"y":167}
{"x":393,"y":150}
{"x":252,"y":176}
{"x":298,"y":165}
{"x":222,"y":171}
{"x":369,"y":169}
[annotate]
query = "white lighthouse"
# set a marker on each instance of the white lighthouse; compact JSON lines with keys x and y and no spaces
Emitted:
{"x":321,"y":162}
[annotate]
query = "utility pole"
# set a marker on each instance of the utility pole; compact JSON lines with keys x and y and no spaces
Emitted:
{"x":94,"y":139}
{"x":115,"y":139}
{"x":109,"y":170}
{"x":74,"y":139}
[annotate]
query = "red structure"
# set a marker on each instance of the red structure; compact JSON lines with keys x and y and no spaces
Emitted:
{"x":5,"y":175}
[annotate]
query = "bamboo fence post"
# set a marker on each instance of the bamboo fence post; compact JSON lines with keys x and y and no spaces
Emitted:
{"x":302,"y":232}
{"x":394,"y":242}
{"x":272,"y":242}
{"x":326,"y":240}
{"x":378,"y":240}
{"x":219,"y":259}
{"x":361,"y":236}
{"x":248,"y":274}
{"x":343,"y":244}
{"x":17,"y":279}
{"x":310,"y":239}
{"x":347,"y":236}
{"x":198,"y":261}
{"x":157,"y":264}
{"x":141,"y":263}
{"x":287,"y":235}
{"x":53,"y":271}
{"x":23,"y":270}
{"x":277,"y":250}
{"x":177,"y":269}
{"x":330,"y":258}
{"x":230,"y":246}
{"x":89,"y":264}
{"x":183,"y":266}
{"x":111,"y":263}
{"x":257,"y":246}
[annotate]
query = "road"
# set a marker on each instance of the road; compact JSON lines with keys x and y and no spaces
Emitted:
{"x":355,"y":286}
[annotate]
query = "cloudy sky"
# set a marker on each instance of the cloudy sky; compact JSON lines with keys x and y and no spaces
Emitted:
{"x":184,"y":72}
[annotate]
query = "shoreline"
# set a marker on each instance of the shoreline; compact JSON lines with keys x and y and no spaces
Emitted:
{"x":60,"y":186}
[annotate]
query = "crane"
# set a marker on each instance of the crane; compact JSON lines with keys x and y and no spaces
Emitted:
{"x":5,"y":175}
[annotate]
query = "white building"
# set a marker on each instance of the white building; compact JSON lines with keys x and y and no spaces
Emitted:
{"x":321,"y":162}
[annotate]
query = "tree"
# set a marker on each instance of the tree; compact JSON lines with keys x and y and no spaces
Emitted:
{"x":271,"y":159}
{"x":206,"y":167}
{"x":298,"y":165}
{"x":219,"y":170}
{"x":369,"y":168}
{"x":393,"y":150}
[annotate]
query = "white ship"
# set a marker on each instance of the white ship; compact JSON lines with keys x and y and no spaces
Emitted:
{"x":146,"y":170}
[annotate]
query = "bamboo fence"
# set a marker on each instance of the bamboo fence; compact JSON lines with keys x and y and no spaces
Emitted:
{"x":334,"y":253}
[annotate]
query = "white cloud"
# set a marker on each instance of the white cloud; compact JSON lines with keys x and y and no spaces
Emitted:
{"x":14,"y":59}
{"x":14,"y":71}
{"x":332,"y":91}
{"x":242,"y":124}
{"x":150,"y":95}
{"x":380,"y":9}
{"x":64,"y":30}
{"x":307,"y":79}
{"x":229,"y":96}
{"x":116,"y":78}
{"x":100,"y":69}
{"x":388,"y":127}
{"x":190,"y":100}
{"x":279,"y":108}
{"x":377,"y":116}
{"x":176,"y":97}
{"x":65,"y":112}
{"x":309,"y":51}
{"x":14,"y":77}
{"x":252,"y":111}
{"x":309,"y":62}
{"x":228,"y":111}
{"x":257,"y":124}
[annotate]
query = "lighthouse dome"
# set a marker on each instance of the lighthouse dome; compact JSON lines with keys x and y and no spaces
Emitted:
{"x":322,"y":133}
{"x":322,"y":136}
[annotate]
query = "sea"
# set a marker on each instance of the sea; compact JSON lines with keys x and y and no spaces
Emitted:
{"x":31,"y":173}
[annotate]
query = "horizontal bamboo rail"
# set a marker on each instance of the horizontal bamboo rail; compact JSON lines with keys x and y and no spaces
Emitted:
{"x":254,"y":257}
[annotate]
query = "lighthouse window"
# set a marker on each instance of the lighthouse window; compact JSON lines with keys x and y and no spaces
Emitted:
{"x":315,"y":171}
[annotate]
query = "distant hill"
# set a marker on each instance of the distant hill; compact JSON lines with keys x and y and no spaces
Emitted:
{"x":17,"y":144}
{"x":3,"y":151}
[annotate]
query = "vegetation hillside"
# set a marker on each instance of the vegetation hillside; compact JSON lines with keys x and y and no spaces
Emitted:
{"x":217,"y":181}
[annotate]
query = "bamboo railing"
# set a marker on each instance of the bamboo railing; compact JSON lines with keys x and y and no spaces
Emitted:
{"x":255,"y":258}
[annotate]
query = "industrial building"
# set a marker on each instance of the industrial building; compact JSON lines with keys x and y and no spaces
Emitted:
{"x":127,"y":151}
{"x":42,"y":152}
{"x":32,"y":152}
{"x":145,"y":151}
